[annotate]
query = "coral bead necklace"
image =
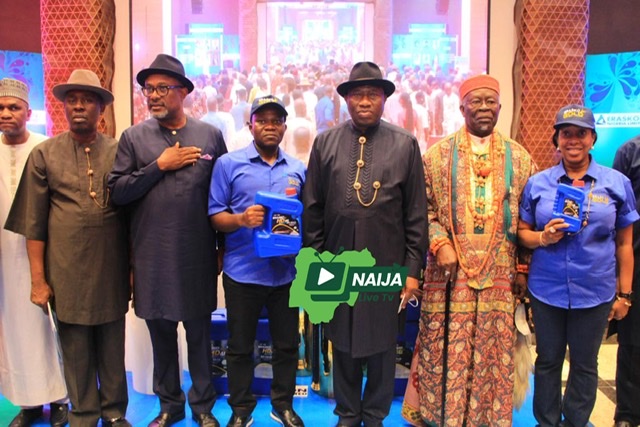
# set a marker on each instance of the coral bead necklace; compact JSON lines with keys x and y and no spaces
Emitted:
{"x":477,"y":180}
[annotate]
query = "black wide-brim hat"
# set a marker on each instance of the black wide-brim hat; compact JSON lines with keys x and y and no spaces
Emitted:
{"x":366,"y":73}
{"x":167,"y":65}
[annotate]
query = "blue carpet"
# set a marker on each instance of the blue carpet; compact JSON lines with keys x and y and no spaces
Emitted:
{"x":316,"y":410}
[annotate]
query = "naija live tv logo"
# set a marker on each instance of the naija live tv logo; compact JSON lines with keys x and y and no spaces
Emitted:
{"x":323,"y":281}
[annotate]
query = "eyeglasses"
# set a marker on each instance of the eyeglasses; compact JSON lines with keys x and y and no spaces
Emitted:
{"x":161,"y":90}
{"x":360,"y":95}
{"x":272,"y":122}
{"x":477,"y":103}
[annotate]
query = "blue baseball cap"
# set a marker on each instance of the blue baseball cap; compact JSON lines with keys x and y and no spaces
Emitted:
{"x":576,"y":115}
{"x":268,"y":101}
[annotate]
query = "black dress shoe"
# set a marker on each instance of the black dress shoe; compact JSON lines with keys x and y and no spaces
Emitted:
{"x":116,"y":422}
{"x":58,"y":414}
{"x":26,"y":417}
{"x":345,"y":423}
{"x":286,"y":417}
{"x":206,"y":420}
{"x":165,"y":419}
{"x":623,"y":424}
{"x":240,"y":421}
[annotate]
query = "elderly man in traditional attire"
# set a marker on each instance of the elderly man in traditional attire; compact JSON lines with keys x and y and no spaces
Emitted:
{"x":30,"y":373}
{"x":77,"y":249}
{"x":463,"y":370}
{"x":365,"y":190}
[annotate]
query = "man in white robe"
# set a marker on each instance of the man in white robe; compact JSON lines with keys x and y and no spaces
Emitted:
{"x":30,"y":372}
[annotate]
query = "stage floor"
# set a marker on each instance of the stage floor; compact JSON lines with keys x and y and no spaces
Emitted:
{"x":317,"y":411}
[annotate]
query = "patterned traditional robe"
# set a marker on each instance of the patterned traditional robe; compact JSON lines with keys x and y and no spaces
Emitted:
{"x":479,"y":367}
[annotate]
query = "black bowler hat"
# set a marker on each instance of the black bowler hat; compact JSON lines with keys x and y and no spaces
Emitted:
{"x":366,"y":73}
{"x":167,"y":65}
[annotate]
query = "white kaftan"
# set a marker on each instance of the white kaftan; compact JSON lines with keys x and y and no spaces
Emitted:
{"x":30,"y":373}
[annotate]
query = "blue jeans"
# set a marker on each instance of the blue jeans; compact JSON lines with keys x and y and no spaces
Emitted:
{"x":582,"y":330}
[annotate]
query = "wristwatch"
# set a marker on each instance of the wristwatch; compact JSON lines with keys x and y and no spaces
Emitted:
{"x":628,"y":297}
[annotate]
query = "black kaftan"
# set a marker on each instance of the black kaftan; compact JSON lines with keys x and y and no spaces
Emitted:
{"x":172,"y":241}
{"x":393,"y":228}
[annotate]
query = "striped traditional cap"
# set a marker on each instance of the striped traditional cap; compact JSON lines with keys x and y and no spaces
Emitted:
{"x":14,"y":88}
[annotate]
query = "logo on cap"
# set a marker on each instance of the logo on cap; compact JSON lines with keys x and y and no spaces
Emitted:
{"x":573,"y":112}
{"x":268,"y":100}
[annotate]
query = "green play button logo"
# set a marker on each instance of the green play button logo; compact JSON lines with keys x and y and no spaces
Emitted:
{"x":325,"y":281}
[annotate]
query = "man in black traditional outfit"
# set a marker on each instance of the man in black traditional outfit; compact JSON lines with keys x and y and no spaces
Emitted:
{"x":161,"y":173}
{"x":365,"y":189}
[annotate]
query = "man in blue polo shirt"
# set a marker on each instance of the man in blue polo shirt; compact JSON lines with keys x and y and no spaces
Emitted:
{"x":251,"y":283}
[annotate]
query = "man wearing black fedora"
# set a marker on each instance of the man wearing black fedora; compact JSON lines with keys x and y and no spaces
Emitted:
{"x":78,"y":252}
{"x":161,"y":173}
{"x":365,"y":189}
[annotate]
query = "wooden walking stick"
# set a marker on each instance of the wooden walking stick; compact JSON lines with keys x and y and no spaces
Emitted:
{"x":445,"y":347}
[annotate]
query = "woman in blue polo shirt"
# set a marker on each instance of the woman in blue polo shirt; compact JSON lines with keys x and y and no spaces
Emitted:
{"x":577,"y":280}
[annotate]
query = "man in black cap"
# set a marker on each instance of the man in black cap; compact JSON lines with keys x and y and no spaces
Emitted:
{"x":78,"y":252}
{"x":162,"y":172}
{"x":237,"y":177}
{"x":365,"y":189}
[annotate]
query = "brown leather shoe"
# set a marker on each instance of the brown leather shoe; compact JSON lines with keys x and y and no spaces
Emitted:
{"x":165,"y":419}
{"x":26,"y":417}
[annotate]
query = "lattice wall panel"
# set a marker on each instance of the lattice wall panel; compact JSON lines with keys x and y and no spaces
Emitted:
{"x":76,"y":34}
{"x":549,"y":68}
{"x":248,"y":33}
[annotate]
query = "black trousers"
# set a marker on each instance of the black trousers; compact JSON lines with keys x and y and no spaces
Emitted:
{"x":581,"y":330}
{"x":244,"y":303}
{"x":628,"y":384}
{"x":94,"y":372}
{"x":166,"y":369}
{"x":352,"y":405}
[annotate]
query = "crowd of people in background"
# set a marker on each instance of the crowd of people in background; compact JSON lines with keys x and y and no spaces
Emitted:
{"x":178,"y":195}
{"x":426,"y":102}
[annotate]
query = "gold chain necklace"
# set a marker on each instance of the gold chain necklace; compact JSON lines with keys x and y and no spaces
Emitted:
{"x":92,"y":192}
{"x":356,"y":184}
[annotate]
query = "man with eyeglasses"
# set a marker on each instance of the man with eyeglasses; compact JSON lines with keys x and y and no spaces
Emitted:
{"x":237,"y":177}
{"x":463,"y":372}
{"x":365,"y":190}
{"x":161,"y":173}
